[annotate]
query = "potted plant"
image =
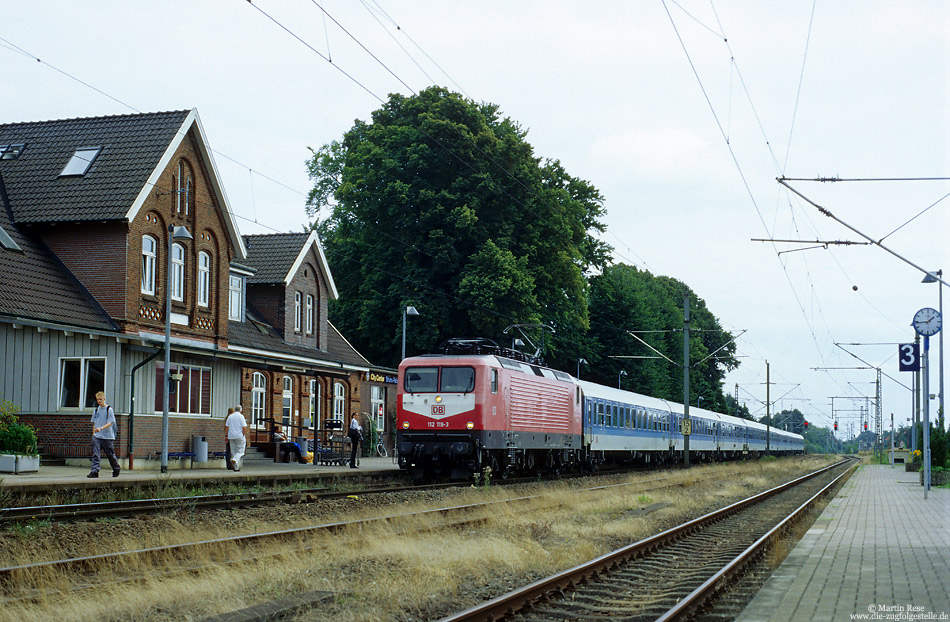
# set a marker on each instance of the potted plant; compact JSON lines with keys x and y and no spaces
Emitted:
{"x":18,"y":451}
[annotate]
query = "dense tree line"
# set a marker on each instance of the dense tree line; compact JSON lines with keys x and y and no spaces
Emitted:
{"x":440,"y":203}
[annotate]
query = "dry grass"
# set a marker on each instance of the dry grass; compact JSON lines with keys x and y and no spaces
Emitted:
{"x":411,"y":568}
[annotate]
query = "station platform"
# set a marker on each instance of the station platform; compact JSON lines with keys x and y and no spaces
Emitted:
{"x":879,"y":551}
{"x":54,"y":477}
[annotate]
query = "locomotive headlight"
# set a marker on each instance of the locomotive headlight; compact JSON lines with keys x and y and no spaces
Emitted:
{"x":405,"y":425}
{"x":438,"y":398}
{"x":470,"y":425}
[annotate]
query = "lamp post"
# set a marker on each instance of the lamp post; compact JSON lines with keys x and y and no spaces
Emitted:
{"x":619,"y":376}
{"x":406,"y":312}
{"x":579,"y":363}
{"x":175,"y":232}
{"x":930,"y":278}
{"x":517,"y":343}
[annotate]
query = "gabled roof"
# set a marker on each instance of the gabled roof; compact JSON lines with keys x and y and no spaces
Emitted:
{"x":277,"y":257}
{"x":37,"y":287}
{"x":256,"y":335}
{"x":133,"y":151}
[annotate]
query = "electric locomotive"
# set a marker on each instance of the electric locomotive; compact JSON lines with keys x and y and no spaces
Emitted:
{"x":478,"y":405}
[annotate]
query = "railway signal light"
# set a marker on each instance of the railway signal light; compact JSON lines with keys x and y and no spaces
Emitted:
{"x":806,"y":425}
{"x":865,"y":426}
{"x":836,"y":426}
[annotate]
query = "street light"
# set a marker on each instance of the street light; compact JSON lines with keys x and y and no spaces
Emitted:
{"x":406,"y":312}
{"x":619,"y":376}
{"x":517,"y":343}
{"x":579,"y":363}
{"x":931,"y":278}
{"x":175,"y":232}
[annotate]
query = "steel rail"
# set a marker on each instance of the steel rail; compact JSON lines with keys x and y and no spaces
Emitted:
{"x":698,"y":597}
{"x":510,"y":603}
{"x":89,"y":561}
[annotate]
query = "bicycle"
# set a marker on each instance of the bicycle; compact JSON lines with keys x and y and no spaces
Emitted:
{"x":380,"y":447}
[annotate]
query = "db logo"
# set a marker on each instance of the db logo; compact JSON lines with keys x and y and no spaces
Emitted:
{"x":438,"y":409}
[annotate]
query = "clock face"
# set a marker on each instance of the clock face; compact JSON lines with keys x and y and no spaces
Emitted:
{"x":928,"y":322}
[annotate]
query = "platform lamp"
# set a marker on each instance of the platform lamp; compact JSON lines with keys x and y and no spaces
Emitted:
{"x":619,"y":376}
{"x":579,"y":363}
{"x":931,"y":278}
{"x":175,"y":232}
{"x":406,"y":312}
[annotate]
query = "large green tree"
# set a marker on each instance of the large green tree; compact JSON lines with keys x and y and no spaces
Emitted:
{"x":439,"y":202}
{"x":636,"y":315}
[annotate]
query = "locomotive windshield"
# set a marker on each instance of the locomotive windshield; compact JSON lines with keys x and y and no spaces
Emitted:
{"x":439,"y":379}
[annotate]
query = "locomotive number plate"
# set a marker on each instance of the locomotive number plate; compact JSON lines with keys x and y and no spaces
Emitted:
{"x":438,"y":409}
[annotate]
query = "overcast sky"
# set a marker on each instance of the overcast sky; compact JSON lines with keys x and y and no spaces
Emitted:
{"x":682,"y":114}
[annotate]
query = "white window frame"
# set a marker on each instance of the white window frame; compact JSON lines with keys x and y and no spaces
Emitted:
{"x":84,"y":389}
{"x":315,"y":393}
{"x":236,"y":297}
{"x":297,"y":312}
{"x":287,"y":401}
{"x":309,"y":314}
{"x":339,"y":401}
{"x":149,"y":261}
{"x":178,"y":272}
{"x":258,"y":399}
{"x":204,"y":278}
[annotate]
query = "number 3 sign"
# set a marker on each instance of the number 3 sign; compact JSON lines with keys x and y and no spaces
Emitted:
{"x":909,"y":357}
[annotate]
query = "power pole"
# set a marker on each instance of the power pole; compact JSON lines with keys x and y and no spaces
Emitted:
{"x":768,"y":413}
{"x":686,"y":424}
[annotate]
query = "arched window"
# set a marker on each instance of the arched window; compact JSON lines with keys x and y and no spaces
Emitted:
{"x":316,"y":390}
{"x":178,"y":272}
{"x":204,"y":279}
{"x":339,"y":401}
{"x":288,"y":400}
{"x":149,"y":247}
{"x":185,"y":191}
{"x":258,"y":393}
{"x":297,"y":312}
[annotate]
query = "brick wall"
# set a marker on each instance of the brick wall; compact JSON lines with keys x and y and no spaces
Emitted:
{"x":96,"y":254}
{"x":70,"y":435}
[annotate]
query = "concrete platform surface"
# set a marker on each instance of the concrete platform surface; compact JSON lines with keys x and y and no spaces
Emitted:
{"x":879,"y":551}
{"x":59,"y":477}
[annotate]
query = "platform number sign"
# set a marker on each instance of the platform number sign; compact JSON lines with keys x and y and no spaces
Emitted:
{"x":686,"y":427}
{"x":908,"y":357}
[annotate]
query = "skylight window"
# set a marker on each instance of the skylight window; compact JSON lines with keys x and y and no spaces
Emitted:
{"x":80,"y":162}
{"x":11,"y":152}
{"x":7,"y":242}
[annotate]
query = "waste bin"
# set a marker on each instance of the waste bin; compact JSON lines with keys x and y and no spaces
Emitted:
{"x":199,"y":447}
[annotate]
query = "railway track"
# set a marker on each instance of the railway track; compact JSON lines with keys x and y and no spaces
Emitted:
{"x":26,"y":581}
{"x":136,"y":507}
{"x":672,"y":575}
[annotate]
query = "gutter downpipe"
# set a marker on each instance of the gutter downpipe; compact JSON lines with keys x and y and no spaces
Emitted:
{"x":132,"y":403}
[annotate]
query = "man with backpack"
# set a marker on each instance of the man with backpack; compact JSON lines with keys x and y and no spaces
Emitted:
{"x":103,"y":436}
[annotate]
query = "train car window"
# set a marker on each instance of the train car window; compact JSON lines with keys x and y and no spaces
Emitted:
{"x":600,"y":414}
{"x":421,"y":379}
{"x":458,"y":379}
{"x":494,"y":381}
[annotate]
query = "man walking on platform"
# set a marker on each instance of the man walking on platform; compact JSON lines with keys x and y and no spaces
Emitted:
{"x":103,"y":436}
{"x":236,"y":427}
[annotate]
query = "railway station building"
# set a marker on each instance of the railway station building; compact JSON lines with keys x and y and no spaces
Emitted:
{"x":100,"y":219}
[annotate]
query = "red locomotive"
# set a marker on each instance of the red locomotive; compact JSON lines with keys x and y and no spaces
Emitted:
{"x":478,"y":405}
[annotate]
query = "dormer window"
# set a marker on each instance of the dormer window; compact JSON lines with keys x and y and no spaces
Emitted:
{"x":236,"y":298}
{"x":79,"y":164}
